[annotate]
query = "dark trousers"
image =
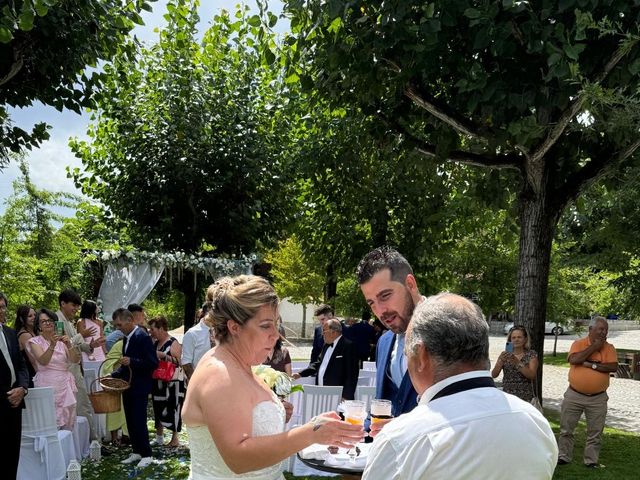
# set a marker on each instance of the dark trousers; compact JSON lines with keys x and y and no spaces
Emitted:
{"x":11,"y":421}
{"x":135,"y":411}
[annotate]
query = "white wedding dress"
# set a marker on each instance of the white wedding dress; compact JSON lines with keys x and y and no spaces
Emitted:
{"x":206,"y":461}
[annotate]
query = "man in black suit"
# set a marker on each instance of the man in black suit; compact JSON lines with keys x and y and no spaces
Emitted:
{"x":14,"y":381}
{"x":338,"y":362}
{"x":323,"y":313}
{"x":139,"y":354}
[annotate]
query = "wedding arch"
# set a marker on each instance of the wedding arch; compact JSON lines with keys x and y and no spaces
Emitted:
{"x":130,"y":275}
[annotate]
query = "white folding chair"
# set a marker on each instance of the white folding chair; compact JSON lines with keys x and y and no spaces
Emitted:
{"x":365,"y":393}
{"x":371,"y":366}
{"x":44,"y":450}
{"x":317,"y":399}
{"x":368,"y":374}
{"x":298,"y":365}
{"x":296,"y":400}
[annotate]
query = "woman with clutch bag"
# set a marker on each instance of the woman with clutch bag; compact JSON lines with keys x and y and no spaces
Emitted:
{"x":519,"y":366}
{"x":168,"y":394}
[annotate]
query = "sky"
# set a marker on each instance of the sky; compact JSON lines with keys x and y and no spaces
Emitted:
{"x":48,"y":163}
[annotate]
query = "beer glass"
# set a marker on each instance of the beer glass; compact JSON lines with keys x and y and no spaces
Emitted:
{"x":380,"y":410}
{"x":355,"y":412}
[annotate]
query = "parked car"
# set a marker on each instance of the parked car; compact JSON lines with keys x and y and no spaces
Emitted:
{"x":549,"y":328}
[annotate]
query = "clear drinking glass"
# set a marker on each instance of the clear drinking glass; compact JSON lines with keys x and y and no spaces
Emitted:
{"x":380,"y":410}
{"x":355,"y":413}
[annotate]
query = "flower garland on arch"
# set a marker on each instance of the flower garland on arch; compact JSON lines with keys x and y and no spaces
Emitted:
{"x":213,"y":267}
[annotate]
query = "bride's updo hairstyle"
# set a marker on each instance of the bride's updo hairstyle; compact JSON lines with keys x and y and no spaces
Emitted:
{"x":238,"y":299}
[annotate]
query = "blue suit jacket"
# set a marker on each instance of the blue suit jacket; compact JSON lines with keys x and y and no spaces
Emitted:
{"x":403,"y":399}
{"x":144,"y":361}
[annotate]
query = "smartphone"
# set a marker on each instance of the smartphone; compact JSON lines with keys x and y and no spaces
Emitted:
{"x":509,"y":347}
{"x":59,"y":328}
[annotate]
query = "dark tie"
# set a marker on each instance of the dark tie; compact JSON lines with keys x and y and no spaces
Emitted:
{"x":124,"y":345}
{"x":329,"y":345}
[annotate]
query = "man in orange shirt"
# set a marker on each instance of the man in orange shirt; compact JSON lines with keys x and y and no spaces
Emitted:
{"x":592,"y":359}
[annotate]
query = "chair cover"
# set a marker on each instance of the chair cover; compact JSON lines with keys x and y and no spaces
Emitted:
{"x":81,"y":437}
{"x":43,"y":448}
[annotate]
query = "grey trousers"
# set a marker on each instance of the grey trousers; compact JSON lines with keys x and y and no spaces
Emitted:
{"x":595,"y":412}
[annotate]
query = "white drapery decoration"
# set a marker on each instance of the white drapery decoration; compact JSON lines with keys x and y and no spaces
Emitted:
{"x":126,"y":284}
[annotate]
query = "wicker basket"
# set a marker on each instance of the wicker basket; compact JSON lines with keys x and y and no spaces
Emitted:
{"x":109,"y":399}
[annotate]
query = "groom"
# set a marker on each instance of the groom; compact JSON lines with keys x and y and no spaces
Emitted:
{"x":389,"y":287}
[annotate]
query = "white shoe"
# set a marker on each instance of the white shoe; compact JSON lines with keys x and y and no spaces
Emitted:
{"x":145,"y":462}
{"x":134,"y":457}
{"x":159,"y":440}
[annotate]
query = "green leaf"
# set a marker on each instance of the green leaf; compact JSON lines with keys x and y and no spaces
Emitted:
{"x":254,"y":21}
{"x":634,"y":68}
{"x":553,"y":58}
{"x":472,"y":13}
{"x":573,"y":51}
{"x":5,"y":35}
{"x":269,"y":56}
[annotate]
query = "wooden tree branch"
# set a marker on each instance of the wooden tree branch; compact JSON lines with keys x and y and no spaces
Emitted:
{"x":501,"y":161}
{"x":574,"y":108}
{"x":452,"y":119}
{"x":592,"y":171}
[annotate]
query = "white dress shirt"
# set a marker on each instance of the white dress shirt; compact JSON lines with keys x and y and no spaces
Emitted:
{"x":128,"y":337}
{"x":479,"y":433}
{"x":398,"y":361}
{"x":195,"y":344}
{"x":325,"y":360}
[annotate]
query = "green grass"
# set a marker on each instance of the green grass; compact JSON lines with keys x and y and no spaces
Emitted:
{"x":619,"y":453}
{"x":560,"y":360}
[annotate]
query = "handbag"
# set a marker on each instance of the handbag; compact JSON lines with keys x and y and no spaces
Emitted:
{"x":164,"y":371}
{"x":535,"y":401}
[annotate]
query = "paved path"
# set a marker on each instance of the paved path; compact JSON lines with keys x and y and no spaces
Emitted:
{"x":624,"y":394}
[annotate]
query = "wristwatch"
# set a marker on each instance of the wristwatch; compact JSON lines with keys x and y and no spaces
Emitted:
{"x":594,"y":366}
{"x":26,"y":391}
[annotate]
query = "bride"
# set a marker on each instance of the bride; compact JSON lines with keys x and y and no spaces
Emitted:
{"x":235,"y":423}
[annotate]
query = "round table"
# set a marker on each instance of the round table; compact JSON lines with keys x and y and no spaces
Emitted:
{"x":347,"y":473}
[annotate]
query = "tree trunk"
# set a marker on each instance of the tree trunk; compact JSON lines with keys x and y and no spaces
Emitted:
{"x":330,"y":285}
{"x":190,"y":299}
{"x":303,"y":334}
{"x":538,"y":219}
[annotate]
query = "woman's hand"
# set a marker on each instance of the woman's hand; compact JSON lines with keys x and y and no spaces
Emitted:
{"x":64,"y":339}
{"x":330,"y":430}
{"x":288,"y":410}
{"x":508,"y":358}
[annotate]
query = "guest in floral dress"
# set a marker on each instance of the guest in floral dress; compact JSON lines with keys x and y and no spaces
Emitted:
{"x":519,"y":367}
{"x":53,"y":355}
{"x":168,"y":397}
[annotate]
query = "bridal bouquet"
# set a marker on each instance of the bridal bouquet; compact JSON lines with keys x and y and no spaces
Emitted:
{"x":277,"y":381}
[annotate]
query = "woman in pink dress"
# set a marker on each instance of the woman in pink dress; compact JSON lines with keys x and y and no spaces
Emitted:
{"x":53,"y":354}
{"x":91,"y":329}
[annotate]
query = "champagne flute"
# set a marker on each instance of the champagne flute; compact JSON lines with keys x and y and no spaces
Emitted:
{"x":355,"y":414}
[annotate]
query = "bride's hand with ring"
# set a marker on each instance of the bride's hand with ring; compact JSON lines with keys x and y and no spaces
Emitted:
{"x":329,"y":429}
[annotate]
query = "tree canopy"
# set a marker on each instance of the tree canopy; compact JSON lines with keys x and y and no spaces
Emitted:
{"x":46,"y":47}
{"x":547,"y":90}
